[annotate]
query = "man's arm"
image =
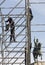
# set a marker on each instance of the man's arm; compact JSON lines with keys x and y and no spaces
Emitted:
{"x":35,"y":44}
{"x":34,"y":40}
{"x":7,"y":25}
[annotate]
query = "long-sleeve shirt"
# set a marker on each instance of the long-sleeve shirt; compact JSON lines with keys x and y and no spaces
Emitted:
{"x":11,"y":23}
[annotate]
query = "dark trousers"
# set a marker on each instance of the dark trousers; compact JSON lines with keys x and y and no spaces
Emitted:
{"x":12,"y":35}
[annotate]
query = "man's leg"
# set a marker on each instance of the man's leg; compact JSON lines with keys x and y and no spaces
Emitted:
{"x":11,"y":36}
{"x":14,"y":37}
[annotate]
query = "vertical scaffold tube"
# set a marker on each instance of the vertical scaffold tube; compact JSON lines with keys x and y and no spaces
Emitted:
{"x":28,"y":34}
{"x":2,"y":24}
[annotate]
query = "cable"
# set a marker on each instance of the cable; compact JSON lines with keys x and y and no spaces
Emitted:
{"x":38,"y":31}
{"x":38,"y":24}
{"x":37,"y":3}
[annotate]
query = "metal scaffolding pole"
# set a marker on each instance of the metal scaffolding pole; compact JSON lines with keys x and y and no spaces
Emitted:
{"x":28,"y":34}
{"x":2,"y":23}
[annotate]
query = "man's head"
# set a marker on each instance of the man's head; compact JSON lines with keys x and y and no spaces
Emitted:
{"x":9,"y":19}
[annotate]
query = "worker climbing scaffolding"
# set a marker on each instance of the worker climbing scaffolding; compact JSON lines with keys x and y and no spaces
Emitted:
{"x":10,"y":23}
{"x":30,"y":19}
{"x":37,"y":49}
{"x":30,"y":14}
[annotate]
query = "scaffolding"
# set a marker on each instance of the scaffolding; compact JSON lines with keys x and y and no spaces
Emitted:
{"x":14,"y":53}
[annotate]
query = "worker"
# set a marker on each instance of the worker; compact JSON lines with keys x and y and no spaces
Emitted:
{"x":12,"y":28}
{"x":37,"y":46}
{"x":30,"y":14}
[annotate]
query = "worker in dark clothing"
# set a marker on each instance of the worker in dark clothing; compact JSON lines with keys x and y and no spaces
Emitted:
{"x":12,"y":28}
{"x":30,"y":14}
{"x":30,"y":19}
{"x":37,"y":49}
